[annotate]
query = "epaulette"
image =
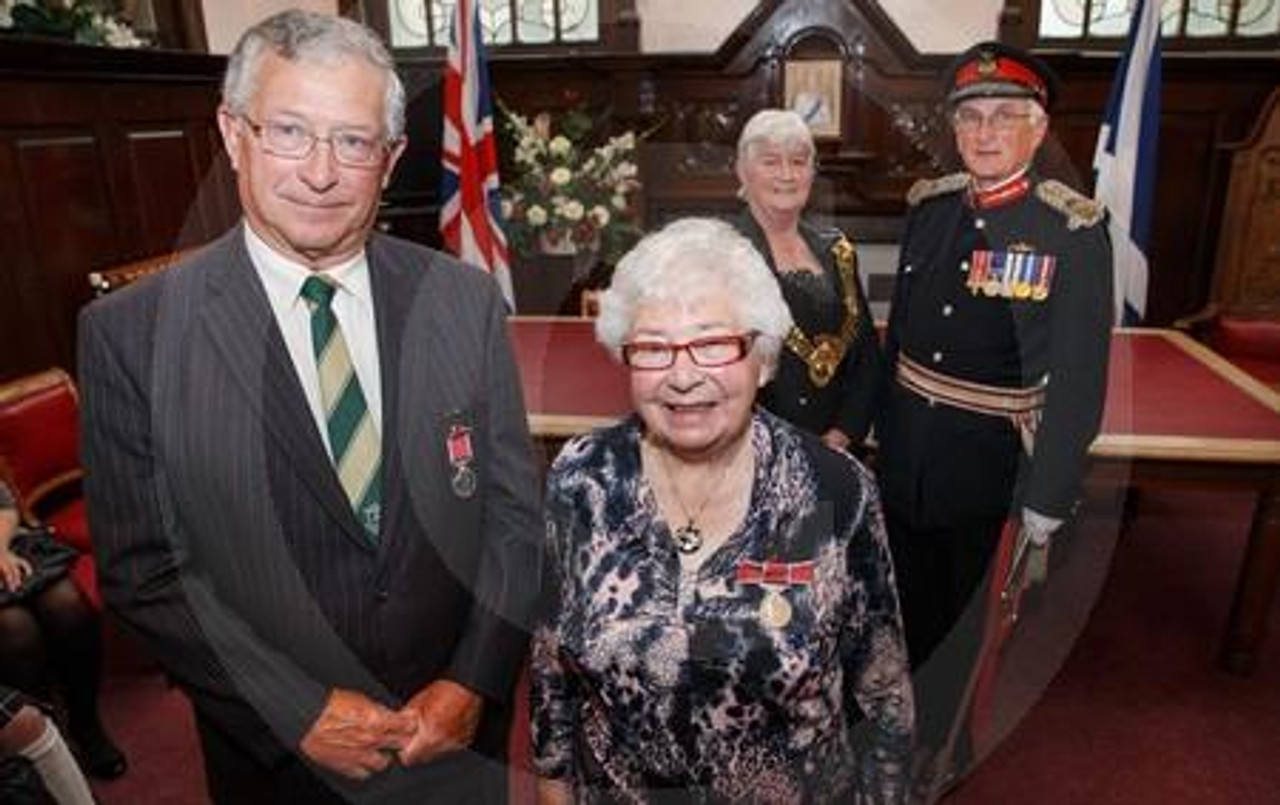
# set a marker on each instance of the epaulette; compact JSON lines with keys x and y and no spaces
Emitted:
{"x":928,"y":188}
{"x":1080,"y":209}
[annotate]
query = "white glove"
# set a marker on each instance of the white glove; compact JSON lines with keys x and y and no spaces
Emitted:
{"x":1036,"y":530}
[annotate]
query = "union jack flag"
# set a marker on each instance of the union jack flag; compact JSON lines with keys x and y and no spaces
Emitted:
{"x":471,"y":215}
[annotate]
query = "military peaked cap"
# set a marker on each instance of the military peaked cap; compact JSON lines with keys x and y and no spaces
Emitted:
{"x":997,"y":70}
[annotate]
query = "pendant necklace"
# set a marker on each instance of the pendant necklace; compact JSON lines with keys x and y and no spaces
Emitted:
{"x":688,"y":538}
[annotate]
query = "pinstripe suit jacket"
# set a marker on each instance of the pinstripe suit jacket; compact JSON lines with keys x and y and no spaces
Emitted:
{"x":223,"y":536}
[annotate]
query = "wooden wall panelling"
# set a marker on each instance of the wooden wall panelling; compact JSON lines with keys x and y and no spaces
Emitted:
{"x":30,"y":341}
{"x":69,"y":215}
{"x":109,"y":156}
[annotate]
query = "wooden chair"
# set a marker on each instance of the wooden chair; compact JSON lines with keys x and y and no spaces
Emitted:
{"x":1242,"y":319}
{"x":40,"y":456}
{"x":110,"y":279}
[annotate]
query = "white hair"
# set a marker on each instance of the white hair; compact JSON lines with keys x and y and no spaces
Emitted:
{"x":695,"y":256}
{"x":779,"y":127}
{"x":307,"y":37}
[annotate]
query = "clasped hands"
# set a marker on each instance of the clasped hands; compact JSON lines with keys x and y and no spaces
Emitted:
{"x":357,"y":737}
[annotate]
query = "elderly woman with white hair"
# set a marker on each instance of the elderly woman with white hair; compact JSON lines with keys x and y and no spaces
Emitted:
{"x":830,"y":366}
{"x":722,"y":624}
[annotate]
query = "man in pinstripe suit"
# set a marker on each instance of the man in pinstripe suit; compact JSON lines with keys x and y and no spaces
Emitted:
{"x":340,"y":643}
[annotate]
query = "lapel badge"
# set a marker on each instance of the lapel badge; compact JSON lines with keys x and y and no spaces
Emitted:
{"x":461,"y":456}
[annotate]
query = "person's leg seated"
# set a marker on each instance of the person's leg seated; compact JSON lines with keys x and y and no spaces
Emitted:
{"x":35,"y":737}
{"x":74,"y":637}
{"x":22,"y":651}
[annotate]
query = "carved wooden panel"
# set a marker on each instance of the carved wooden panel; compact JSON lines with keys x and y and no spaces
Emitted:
{"x":1248,"y":265}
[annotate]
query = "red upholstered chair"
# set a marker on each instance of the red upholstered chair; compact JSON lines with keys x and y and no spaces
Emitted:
{"x":40,"y":456}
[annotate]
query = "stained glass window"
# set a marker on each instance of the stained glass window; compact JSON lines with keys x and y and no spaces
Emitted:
{"x":1180,"y":19}
{"x":425,"y":23}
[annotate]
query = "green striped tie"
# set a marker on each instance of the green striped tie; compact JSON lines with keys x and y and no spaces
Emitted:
{"x":352,"y":437}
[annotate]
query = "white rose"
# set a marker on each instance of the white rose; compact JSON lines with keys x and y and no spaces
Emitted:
{"x":600,"y":215}
{"x":560,"y":146}
{"x":561,"y":176}
{"x":118,"y":35}
{"x":507,"y":208}
{"x":535,"y":215}
{"x":625,"y":170}
{"x":573,"y":211}
{"x":619,"y":201}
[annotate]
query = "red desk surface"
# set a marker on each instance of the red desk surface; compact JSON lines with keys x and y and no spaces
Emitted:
{"x":571,"y":384}
{"x":1168,"y":397}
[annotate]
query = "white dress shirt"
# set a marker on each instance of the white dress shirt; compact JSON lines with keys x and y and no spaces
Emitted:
{"x":352,"y":305}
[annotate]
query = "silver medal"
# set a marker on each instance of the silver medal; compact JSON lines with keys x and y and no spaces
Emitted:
{"x":464,"y":481}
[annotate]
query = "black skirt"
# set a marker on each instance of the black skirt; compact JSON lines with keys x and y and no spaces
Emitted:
{"x":50,"y":561}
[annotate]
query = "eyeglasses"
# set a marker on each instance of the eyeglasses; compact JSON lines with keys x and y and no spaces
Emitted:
{"x":295,"y":141}
{"x":718,"y":350}
{"x":968,"y":121}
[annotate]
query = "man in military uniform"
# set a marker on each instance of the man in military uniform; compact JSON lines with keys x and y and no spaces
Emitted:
{"x":997,"y":362}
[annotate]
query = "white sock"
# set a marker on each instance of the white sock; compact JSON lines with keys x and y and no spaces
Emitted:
{"x":57,"y":768}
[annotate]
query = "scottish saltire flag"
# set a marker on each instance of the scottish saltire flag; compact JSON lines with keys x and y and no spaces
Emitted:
{"x":471,"y":212}
{"x":1125,"y":161}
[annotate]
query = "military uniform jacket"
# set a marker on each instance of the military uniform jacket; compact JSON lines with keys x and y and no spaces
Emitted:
{"x":847,"y":402}
{"x":1009,"y":295}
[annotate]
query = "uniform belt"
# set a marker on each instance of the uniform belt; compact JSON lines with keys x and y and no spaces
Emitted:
{"x":976,"y":397}
{"x":1020,"y":406}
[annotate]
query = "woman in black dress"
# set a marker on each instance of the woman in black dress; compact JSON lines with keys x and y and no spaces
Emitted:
{"x":49,"y":630}
{"x":830,"y":363}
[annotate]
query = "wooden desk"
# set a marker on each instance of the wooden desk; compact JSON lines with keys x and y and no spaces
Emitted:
{"x":1177,"y":414}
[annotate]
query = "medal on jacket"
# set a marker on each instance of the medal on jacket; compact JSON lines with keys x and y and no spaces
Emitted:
{"x":775,"y":577}
{"x":775,"y":610}
{"x":1015,"y":274}
{"x":460,"y":458}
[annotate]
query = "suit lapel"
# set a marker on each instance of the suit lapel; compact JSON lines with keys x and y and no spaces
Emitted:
{"x":415,"y":334}
{"x":239,"y":322}
{"x":394,"y":286}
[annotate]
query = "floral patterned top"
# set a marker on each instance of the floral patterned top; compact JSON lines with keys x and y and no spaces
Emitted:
{"x":776,"y":672}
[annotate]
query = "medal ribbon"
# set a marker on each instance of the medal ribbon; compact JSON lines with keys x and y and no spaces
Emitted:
{"x":780,"y":573}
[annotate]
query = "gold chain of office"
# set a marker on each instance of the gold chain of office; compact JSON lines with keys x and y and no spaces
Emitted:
{"x":823,"y":352}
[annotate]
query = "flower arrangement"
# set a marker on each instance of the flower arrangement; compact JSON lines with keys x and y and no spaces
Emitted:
{"x":562,"y":195}
{"x":89,"y":22}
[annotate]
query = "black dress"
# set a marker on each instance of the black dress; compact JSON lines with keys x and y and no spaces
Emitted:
{"x":817,"y":304}
{"x":50,"y":560}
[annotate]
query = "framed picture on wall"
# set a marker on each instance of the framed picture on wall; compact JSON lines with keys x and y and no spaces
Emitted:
{"x":813,"y":89}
